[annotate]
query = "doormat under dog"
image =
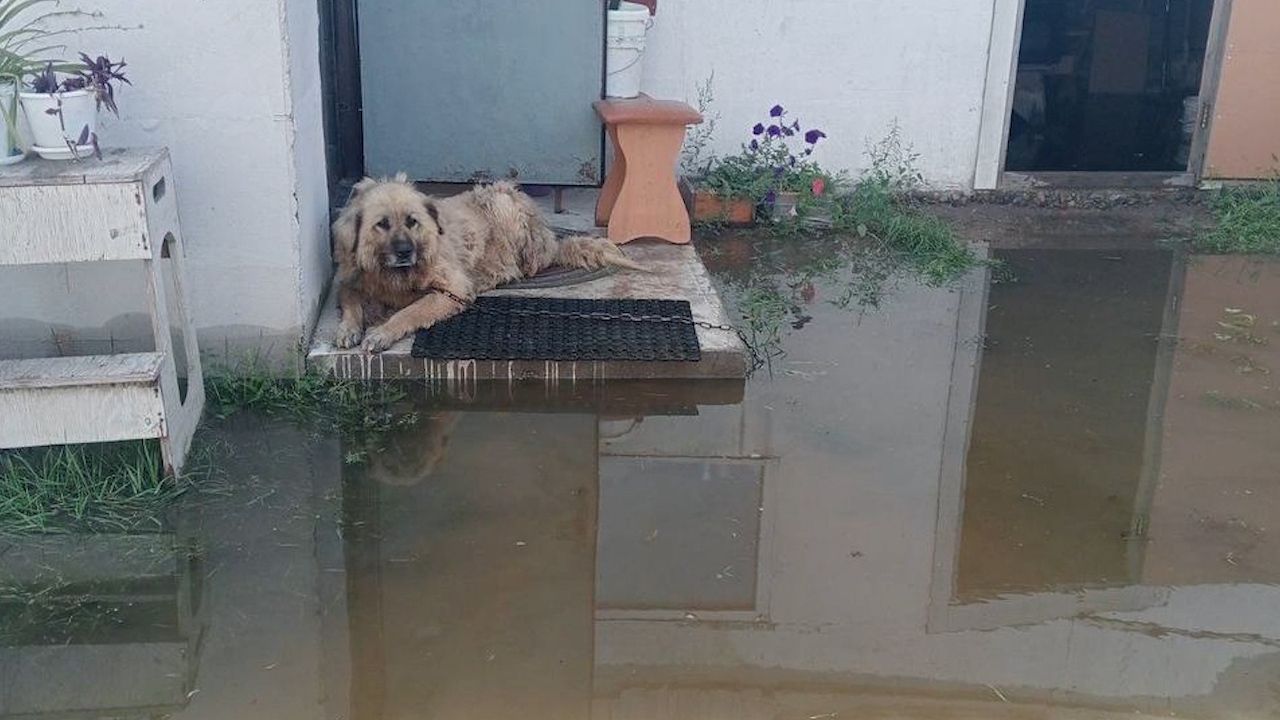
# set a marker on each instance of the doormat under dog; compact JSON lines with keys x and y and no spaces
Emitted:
{"x":537,"y":328}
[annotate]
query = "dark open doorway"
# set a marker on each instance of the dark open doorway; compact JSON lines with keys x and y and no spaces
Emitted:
{"x":1108,"y":85}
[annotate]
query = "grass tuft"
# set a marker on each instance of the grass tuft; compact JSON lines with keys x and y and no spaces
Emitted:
{"x":361,"y":412}
{"x":924,"y":243}
{"x":95,"y":488}
{"x":122,"y":487}
{"x":1248,"y":221}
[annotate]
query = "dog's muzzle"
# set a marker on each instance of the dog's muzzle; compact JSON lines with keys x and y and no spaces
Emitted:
{"x":403,"y":254}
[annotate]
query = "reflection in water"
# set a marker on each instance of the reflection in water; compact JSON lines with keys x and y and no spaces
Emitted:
{"x":1048,"y":499}
{"x":1056,"y":484}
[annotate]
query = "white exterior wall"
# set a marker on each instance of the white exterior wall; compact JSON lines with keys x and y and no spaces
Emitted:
{"x":850,"y":67}
{"x":233,"y":89}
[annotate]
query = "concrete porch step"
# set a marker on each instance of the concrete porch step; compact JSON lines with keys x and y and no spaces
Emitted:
{"x":676,"y":273}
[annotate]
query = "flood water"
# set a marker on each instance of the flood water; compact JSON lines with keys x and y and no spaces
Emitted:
{"x":1051,"y":497}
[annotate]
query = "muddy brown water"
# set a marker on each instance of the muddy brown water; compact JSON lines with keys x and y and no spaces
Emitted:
{"x":1055,"y":497}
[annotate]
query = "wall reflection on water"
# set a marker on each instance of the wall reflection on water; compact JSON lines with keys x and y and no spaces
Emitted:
{"x":1057,"y":492}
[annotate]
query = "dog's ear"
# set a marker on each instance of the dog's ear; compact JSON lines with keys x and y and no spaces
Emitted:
{"x":359,"y":188}
{"x":434,"y":212}
{"x":346,"y":236}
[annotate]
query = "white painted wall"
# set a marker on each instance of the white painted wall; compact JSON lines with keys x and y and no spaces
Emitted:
{"x":850,"y":67}
{"x":233,"y":89}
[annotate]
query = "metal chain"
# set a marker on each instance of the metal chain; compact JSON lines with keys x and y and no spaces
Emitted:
{"x":603,"y":316}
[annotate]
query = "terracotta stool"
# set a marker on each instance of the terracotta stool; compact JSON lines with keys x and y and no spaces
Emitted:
{"x":640,"y":197}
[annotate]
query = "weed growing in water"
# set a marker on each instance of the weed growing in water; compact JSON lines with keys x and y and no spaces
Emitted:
{"x":871,"y":234}
{"x":361,"y":412}
{"x":109,"y":487}
{"x":1248,"y":221}
{"x":922,"y":243}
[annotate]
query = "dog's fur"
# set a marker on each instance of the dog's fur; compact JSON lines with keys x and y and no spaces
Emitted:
{"x":397,"y":249}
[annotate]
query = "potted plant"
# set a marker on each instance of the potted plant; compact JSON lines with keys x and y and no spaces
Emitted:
{"x":728,"y":192}
{"x":18,"y":49}
{"x":714,"y":190}
{"x":10,"y":145}
{"x":782,"y":151}
{"x":63,"y":112}
{"x":774,"y":172}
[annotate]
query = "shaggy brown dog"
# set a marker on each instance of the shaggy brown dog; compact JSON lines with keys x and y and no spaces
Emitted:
{"x":402,"y":254}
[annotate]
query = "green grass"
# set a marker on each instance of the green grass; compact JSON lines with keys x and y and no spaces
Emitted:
{"x":924,"y":243}
{"x":763,"y":308}
{"x":1247,"y":221}
{"x":361,"y":412}
{"x":120,"y":487}
{"x":875,"y":237}
{"x":96,"y":488}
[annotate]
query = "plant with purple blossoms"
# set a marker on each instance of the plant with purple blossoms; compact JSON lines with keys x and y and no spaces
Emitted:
{"x":782,"y":149}
{"x":777,"y":159}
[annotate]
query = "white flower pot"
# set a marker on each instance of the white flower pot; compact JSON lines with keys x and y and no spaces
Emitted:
{"x":58,"y":120}
{"x":625,"y":37}
{"x":10,"y":149}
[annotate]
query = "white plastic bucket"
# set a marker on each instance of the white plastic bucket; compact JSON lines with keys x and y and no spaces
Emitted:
{"x":624,"y":46}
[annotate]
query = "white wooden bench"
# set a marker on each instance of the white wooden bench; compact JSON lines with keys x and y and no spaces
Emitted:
{"x":122,"y":207}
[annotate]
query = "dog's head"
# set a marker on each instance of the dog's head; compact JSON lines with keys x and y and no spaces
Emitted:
{"x":387,"y":226}
{"x":409,"y":455}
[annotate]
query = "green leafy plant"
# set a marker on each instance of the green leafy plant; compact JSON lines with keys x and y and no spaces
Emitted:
{"x":878,"y":209}
{"x":26,"y":42}
{"x":22,"y":32}
{"x":735,"y":177}
{"x":110,"y":487}
{"x":1247,"y":221}
{"x":777,"y":159}
{"x":874,"y":235}
{"x":696,"y":158}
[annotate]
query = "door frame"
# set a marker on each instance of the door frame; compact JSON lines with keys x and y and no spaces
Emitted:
{"x":997,"y":102}
{"x":342,"y":98}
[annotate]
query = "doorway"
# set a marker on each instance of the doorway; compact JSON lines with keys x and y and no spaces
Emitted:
{"x":458,"y":92}
{"x":1108,"y":85}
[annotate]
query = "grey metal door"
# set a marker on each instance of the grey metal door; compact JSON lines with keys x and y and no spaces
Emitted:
{"x":456,"y":90}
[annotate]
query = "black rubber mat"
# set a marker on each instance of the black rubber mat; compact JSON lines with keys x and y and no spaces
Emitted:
{"x":535,"y":328}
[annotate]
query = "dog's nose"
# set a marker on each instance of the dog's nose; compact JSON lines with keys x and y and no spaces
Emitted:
{"x":402,"y":248}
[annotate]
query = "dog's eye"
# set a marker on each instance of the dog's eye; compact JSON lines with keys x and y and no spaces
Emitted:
{"x":384,"y":224}
{"x":411,"y":222}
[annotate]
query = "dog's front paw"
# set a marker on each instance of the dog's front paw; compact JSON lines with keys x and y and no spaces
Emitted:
{"x":348,"y":336}
{"x":379,"y":339}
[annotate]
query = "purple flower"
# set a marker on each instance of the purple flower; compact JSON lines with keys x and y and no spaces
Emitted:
{"x":774,"y":131}
{"x":755,"y":144}
{"x":758,"y":129}
{"x":813,"y":136}
{"x":776,"y":111}
{"x":770,"y":197}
